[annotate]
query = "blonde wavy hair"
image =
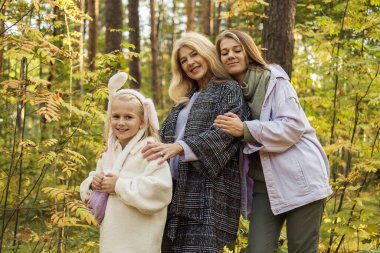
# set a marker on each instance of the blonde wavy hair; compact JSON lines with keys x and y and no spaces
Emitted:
{"x":181,"y":84}
{"x":255,"y":58}
{"x":149,"y":130}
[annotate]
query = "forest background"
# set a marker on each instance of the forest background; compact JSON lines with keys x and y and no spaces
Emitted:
{"x":56,"y":57}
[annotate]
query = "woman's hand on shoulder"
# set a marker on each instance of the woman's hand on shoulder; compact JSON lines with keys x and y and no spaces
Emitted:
{"x":230,"y":123}
{"x":161,"y":151}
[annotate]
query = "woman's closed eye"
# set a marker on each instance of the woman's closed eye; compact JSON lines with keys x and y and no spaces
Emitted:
{"x":194,"y":53}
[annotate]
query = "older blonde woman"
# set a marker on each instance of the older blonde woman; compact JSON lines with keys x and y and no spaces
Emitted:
{"x":204,"y":213}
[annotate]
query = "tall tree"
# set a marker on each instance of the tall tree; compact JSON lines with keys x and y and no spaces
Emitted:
{"x":155,"y":85}
{"x":217,"y":19}
{"x":93,"y":12}
{"x":114,"y":20}
{"x":190,"y":13}
{"x":81,"y":30}
{"x":277,"y":35}
{"x":134,"y":38}
{"x":2,"y":11}
{"x":207,"y":10}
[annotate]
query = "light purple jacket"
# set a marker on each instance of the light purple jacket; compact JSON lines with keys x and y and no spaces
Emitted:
{"x":295,"y":167}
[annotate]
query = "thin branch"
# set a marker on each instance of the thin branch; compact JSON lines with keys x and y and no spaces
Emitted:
{"x":332,"y":130}
{"x":2,"y":5}
{"x":17,"y":21}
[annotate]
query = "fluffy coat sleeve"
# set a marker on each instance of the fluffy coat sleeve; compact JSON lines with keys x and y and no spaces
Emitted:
{"x":84,"y":189}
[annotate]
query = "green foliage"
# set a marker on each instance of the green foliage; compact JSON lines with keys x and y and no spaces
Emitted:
{"x":51,"y":126}
{"x":52,"y":115}
{"x":335,"y":61}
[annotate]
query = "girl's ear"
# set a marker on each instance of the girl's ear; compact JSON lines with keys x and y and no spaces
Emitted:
{"x":142,"y":124}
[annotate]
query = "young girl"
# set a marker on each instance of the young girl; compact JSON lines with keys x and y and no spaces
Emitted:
{"x":139,"y":191}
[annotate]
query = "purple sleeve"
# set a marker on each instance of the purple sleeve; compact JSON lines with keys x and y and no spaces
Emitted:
{"x":188,"y":154}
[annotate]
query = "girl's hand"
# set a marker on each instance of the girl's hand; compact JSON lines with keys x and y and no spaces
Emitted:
{"x":161,"y":151}
{"x":230,"y":123}
{"x":96,"y":183}
{"x":109,"y":183}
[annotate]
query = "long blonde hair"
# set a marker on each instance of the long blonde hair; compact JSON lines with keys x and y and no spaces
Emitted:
{"x":149,"y":129}
{"x":181,"y":84}
{"x":253,"y":53}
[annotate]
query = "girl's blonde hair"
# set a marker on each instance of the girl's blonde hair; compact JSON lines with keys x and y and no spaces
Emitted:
{"x":149,"y":129}
{"x":255,"y":58}
{"x":181,"y":84}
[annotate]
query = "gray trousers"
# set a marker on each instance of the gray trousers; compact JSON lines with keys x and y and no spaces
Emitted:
{"x":302,"y":226}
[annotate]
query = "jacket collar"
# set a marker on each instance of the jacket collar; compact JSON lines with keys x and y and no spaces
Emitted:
{"x":276,"y":73}
{"x":141,"y":144}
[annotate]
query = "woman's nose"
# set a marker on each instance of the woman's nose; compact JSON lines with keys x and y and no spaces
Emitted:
{"x":231,"y":54}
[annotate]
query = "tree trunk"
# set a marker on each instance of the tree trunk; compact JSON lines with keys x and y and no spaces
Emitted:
{"x":2,"y":11}
{"x":155,"y":85}
{"x":277,"y":35}
{"x":217,"y":19}
{"x":174,"y":25}
{"x":207,"y":11}
{"x":190,"y":13}
{"x":93,"y":12}
{"x":134,"y":38}
{"x":114,"y":20}
{"x":81,"y":30}
{"x":229,"y":8}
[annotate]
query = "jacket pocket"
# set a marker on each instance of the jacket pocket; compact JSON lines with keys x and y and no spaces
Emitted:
{"x":289,"y":175}
{"x":300,"y":175}
{"x":190,"y":195}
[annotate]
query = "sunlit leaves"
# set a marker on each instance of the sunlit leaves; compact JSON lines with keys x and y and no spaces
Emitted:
{"x":81,"y":211}
{"x":56,"y":193}
{"x":47,"y":159}
{"x":49,"y":142}
{"x":74,"y":156}
{"x":11,"y":84}
{"x":339,"y":48}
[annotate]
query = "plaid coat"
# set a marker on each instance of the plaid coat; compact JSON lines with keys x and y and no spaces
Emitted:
{"x":207,"y":191}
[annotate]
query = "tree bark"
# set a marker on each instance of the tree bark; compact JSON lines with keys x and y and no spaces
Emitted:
{"x":114,"y":20}
{"x":93,"y":12}
{"x":2,"y":11}
{"x":81,"y":30}
{"x":155,"y":85}
{"x":134,"y":38}
{"x":217,"y":19}
{"x":174,"y":25}
{"x":277,"y":35}
{"x":207,"y":11}
{"x":190,"y":13}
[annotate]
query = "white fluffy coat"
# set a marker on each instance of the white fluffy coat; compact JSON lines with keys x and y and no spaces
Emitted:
{"x":135,"y":217}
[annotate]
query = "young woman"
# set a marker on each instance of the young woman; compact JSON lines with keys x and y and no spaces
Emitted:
{"x":139,"y":190}
{"x":283,"y":156}
{"x":204,"y":213}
